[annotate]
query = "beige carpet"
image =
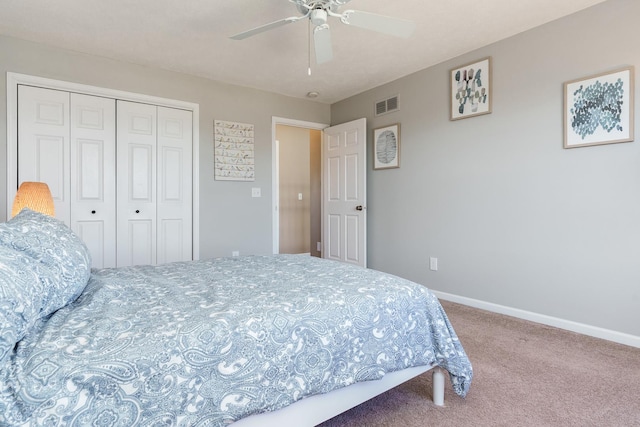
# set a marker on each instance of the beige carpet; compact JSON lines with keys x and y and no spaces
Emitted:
{"x":525,"y":374}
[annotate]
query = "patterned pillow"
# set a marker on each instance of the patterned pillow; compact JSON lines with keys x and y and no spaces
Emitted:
{"x":22,"y":296}
{"x":50,"y":265}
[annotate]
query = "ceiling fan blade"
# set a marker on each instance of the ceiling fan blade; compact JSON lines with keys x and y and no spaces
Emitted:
{"x":266,"y":27}
{"x":383,"y":24}
{"x":322,"y":44}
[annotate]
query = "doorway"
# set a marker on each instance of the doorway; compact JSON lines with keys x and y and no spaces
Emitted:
{"x":343,"y":203}
{"x":297,"y":186}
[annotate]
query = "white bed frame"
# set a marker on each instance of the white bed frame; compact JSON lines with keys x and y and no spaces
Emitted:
{"x":313,"y":410}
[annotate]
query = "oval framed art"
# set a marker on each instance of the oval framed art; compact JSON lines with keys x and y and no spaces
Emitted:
{"x":386,"y":147}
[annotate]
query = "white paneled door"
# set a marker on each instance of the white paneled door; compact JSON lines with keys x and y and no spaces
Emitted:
{"x":43,"y":152}
{"x":93,"y":175}
{"x":174,"y":185}
{"x":345,"y":193}
{"x":67,"y":140}
{"x":121,"y":173}
{"x":154,"y":185}
{"x":136,"y":183}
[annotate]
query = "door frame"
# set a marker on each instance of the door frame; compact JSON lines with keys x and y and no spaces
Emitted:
{"x":15,"y":79}
{"x":275,"y":170}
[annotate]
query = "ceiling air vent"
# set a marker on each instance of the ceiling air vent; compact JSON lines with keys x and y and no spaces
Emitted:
{"x":387,"y":105}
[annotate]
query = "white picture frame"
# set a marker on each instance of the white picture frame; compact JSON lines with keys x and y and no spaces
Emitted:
{"x":599,"y":109}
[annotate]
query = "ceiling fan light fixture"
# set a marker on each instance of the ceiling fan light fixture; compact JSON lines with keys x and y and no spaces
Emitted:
{"x":318,"y":17}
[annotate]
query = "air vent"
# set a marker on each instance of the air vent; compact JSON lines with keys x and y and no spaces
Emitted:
{"x":387,"y":105}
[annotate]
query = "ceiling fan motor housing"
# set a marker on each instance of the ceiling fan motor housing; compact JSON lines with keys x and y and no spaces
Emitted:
{"x":306,"y":6}
{"x":318,"y":17}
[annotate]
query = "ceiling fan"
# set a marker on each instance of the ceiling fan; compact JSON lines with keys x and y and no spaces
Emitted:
{"x":318,"y":12}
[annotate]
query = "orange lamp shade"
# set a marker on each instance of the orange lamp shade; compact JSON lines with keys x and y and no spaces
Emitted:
{"x":35,"y":196}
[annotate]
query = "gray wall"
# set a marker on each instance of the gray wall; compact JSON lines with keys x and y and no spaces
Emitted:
{"x":230,"y":219}
{"x":514,"y":218}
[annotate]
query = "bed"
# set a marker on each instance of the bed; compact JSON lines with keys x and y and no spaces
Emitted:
{"x":257,"y":340}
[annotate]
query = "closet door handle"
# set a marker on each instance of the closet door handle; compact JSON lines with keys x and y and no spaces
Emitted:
{"x":137,"y":210}
{"x":93,"y":212}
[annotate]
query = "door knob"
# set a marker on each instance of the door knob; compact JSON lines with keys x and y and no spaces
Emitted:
{"x":93,"y":212}
{"x":359,"y":208}
{"x":137,"y":210}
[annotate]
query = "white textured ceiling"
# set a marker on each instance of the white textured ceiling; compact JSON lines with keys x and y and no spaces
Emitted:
{"x":192,"y":36}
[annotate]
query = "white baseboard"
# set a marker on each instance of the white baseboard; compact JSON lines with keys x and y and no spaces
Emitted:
{"x":593,"y":331}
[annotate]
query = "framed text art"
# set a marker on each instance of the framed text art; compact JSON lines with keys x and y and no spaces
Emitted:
{"x":470,"y":90}
{"x":599,"y":109}
{"x":233,"y":151}
{"x":386,"y":144}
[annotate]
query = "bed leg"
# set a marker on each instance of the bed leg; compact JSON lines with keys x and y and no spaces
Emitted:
{"x":438,"y":386}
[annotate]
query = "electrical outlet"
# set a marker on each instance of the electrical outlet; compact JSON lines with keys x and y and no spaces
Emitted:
{"x":433,"y":264}
{"x":235,"y":253}
{"x":256,"y":192}
{"x":319,"y":246}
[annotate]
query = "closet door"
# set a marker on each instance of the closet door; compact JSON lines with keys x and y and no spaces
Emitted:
{"x":136,"y":183}
{"x":174,"y":185}
{"x":93,"y":180}
{"x":120,"y":172}
{"x":43,"y":147}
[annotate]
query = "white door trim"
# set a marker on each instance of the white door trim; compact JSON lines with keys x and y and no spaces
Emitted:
{"x":15,"y":79}
{"x":275,"y":190}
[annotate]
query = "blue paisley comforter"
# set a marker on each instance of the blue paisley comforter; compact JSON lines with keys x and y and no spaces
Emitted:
{"x":210,"y":342}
